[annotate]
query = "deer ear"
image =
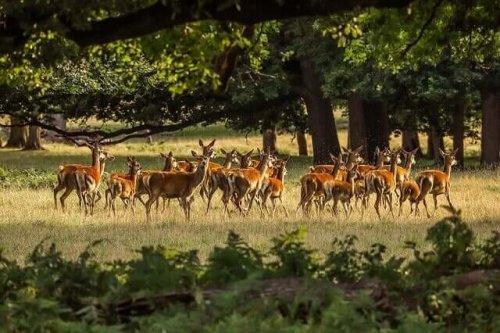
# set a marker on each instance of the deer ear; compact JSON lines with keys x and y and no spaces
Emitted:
{"x":250,"y":152}
{"x":286,"y":159}
{"x":194,"y":153}
{"x":345,"y":150}
{"x":441,"y":152}
{"x":359,"y":149}
{"x":377,"y":150}
{"x":163,"y":155}
{"x":211,"y":144}
{"x":455,"y":151}
{"x":170,"y":154}
{"x":223,"y":151}
{"x":333,"y":158}
{"x":414,"y":151}
{"x":200,"y":142}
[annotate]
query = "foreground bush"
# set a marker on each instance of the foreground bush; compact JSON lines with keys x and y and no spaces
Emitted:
{"x":453,"y":287}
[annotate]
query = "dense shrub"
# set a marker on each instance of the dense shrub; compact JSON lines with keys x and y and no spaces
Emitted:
{"x":27,"y":178}
{"x":453,"y":287}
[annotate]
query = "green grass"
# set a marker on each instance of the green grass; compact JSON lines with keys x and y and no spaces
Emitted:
{"x":28,"y":216}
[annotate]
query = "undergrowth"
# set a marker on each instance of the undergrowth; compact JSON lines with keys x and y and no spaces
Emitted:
{"x":290,"y":288}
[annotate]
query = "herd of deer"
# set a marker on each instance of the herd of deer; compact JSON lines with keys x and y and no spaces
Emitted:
{"x":256,"y":180}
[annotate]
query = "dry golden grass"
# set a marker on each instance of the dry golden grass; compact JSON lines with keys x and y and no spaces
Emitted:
{"x":28,"y":216}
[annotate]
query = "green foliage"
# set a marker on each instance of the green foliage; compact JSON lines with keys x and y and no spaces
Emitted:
{"x":51,"y":293}
{"x":26,"y":178}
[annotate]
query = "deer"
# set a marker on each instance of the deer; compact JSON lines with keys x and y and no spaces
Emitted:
{"x":383,"y":182}
{"x":66,"y":173}
{"x":403,"y":172}
{"x":170,"y":164}
{"x":365,"y":174}
{"x":342,"y":191}
{"x":244,"y":182}
{"x":437,"y":182}
{"x":353,"y":157}
{"x":409,"y":191}
{"x":205,"y":150}
{"x":274,"y":186}
{"x":181,"y":185}
{"x":312,"y":185}
{"x":124,"y":188}
{"x":217,"y":179}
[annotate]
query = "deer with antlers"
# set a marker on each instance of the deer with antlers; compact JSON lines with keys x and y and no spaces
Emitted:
{"x":124,"y":188}
{"x":436,"y":182}
{"x":274,"y":186}
{"x":68,"y":174}
{"x":179,"y":185}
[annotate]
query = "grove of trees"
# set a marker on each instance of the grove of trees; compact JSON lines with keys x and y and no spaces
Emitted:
{"x":273,"y":66}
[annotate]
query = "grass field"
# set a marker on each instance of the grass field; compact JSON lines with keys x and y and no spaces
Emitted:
{"x":27,"y":215}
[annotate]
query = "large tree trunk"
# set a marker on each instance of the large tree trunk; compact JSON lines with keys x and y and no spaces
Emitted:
{"x":34,"y":139}
{"x":269,"y":140}
{"x":18,"y":135}
{"x":458,"y":129}
{"x":437,"y":142}
{"x":357,"y":128}
{"x":322,"y":124}
{"x":377,"y":126}
{"x":490,"y":130}
{"x":302,"y":143}
{"x":411,"y":141}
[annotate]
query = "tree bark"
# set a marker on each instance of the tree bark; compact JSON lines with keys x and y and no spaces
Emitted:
{"x":377,"y":126}
{"x":430,"y":146}
{"x":34,"y":139}
{"x":490,"y":129}
{"x":411,"y":141}
{"x":18,"y":135}
{"x":302,"y":143}
{"x":357,"y":127}
{"x":458,"y":129}
{"x":437,"y":143}
{"x":269,"y":140}
{"x":322,"y":124}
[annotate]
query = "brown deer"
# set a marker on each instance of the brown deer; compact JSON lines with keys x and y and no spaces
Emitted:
{"x":217,"y":178}
{"x":124,"y":188}
{"x":274,"y":186}
{"x":437,"y":182}
{"x":170,"y":164}
{"x":342,"y":191}
{"x":365,"y":174}
{"x":409,"y":191}
{"x":383,"y":182}
{"x":66,"y":173}
{"x":312,"y":185}
{"x":353,"y":157}
{"x":243,"y":182}
{"x":179,"y":185}
{"x":403,"y":172}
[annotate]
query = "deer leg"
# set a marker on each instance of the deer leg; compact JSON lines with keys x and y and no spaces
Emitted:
{"x":377,"y":204}
{"x":149,"y":203}
{"x":57,"y":189}
{"x":389,"y":196}
{"x":346,"y":208}
{"x":447,"y":194}
{"x":426,"y":209}
{"x":434,"y":196}
{"x":210,"y":195}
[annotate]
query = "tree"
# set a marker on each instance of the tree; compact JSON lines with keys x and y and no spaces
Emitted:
{"x":18,"y":135}
{"x":34,"y":139}
{"x":490,"y":133}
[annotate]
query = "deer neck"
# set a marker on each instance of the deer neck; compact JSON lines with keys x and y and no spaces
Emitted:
{"x":100,"y":167}
{"x":447,"y":169}
{"x":133,"y":177}
{"x":351,"y":181}
{"x":281,"y":175}
{"x":97,"y":165}
{"x":394,"y":167}
{"x":199,"y":175}
{"x":350,"y":162}
{"x":335,"y":170}
{"x":262,"y":167}
{"x":227,"y":162}
{"x":168,"y":165}
{"x":408,"y":165}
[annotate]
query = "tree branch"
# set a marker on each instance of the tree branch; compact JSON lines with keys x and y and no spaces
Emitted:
{"x":423,"y":29}
{"x":167,"y":14}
